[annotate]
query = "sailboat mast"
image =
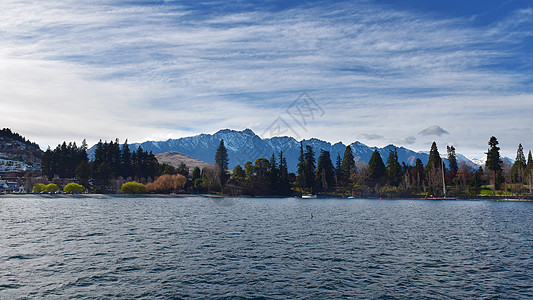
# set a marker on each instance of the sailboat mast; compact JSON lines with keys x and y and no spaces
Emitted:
{"x":443,"y":180}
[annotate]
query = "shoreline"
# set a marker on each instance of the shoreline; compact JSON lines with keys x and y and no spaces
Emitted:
{"x":111,"y":196}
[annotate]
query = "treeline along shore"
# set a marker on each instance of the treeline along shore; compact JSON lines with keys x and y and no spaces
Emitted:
{"x":117,"y":169}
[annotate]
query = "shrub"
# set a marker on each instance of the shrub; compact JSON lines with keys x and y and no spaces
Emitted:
{"x":51,"y":188}
{"x":133,"y":187}
{"x":74,"y":188}
{"x":167,"y":183}
{"x":39,"y":187}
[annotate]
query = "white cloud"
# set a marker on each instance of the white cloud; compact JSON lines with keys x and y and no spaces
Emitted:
{"x":73,"y":70}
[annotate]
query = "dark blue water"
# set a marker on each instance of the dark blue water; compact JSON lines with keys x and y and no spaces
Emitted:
{"x":199,"y":247}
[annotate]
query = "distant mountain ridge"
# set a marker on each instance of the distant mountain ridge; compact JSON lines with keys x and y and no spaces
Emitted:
{"x":246,"y":146}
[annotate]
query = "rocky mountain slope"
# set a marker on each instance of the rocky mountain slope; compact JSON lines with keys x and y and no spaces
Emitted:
{"x":246,"y":146}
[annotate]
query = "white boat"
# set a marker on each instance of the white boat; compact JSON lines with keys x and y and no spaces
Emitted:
{"x":308,"y":196}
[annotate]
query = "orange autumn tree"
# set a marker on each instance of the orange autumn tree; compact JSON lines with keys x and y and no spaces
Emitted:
{"x":167,"y":183}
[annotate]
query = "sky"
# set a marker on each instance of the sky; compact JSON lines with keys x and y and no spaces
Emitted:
{"x":393,"y":71}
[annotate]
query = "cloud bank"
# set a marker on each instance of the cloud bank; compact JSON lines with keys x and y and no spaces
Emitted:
{"x":74,"y":70}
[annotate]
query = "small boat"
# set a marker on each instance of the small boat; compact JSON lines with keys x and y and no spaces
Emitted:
{"x":308,"y":196}
{"x":351,"y":197}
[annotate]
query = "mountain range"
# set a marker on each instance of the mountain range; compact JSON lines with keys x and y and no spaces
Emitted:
{"x":246,"y":146}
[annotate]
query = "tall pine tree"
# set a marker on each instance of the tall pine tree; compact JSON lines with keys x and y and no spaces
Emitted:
{"x":393,"y":169}
{"x":221,"y":161}
{"x":517,"y":171}
{"x":494,"y":162}
{"x":376,"y":168}
{"x":347,"y":166}
{"x":452,"y":160}
{"x":325,"y":172}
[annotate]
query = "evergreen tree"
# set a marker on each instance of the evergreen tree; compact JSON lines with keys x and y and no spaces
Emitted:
{"x":126,"y":161}
{"x":434,"y":157}
{"x":309,"y":167}
{"x":221,"y":161}
{"x":348,"y":166}
{"x":494,"y":162}
{"x":83,"y":173}
{"x":103,"y":175}
{"x":196,"y":174}
{"x":376,"y":169}
{"x":182,"y":169}
{"x":47,"y":164}
{"x":418,"y":173}
{"x":284,"y":184}
{"x":393,"y":169}
{"x":434,"y":170}
{"x":452,"y":160}
{"x":301,"y":180}
{"x":325,"y":172}
{"x":517,"y":171}
{"x":273,"y":174}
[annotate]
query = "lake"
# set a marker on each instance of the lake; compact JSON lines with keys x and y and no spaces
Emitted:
{"x":194,"y":247}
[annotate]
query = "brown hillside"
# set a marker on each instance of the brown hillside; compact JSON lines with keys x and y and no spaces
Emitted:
{"x":175,"y":158}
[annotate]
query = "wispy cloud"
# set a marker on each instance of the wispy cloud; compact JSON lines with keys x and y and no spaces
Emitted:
{"x":149,"y":71}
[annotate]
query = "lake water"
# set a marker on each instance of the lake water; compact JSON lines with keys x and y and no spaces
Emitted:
{"x":196,"y":247}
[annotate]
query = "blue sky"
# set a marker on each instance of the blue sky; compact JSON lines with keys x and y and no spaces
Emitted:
{"x":403,"y":72}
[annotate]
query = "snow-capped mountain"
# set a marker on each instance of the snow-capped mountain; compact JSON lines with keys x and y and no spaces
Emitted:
{"x":246,"y":146}
{"x":481,"y":161}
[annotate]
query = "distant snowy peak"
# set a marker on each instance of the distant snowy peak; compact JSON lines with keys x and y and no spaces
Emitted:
{"x":246,"y":146}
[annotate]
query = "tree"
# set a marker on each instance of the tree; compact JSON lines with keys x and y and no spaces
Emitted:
{"x":238,"y":173}
{"x":273,"y":174}
{"x":221,"y":161}
{"x":102,"y":176}
{"x":376,"y":168}
{"x":74,"y":188}
{"x":301,"y":180}
{"x":51,"y":188}
{"x":125,"y":161}
{"x":418,"y":174}
{"x":167,"y":169}
{"x":196,"y":173}
{"x":249,"y":170}
{"x":528,"y":172}
{"x":517,"y":171}
{"x":452,"y":161}
{"x":434,"y":157}
{"x":393,"y":169}
{"x":434,"y":170}
{"x":494,"y":162}
{"x":167,"y":183}
{"x":183,"y":169}
{"x":309,"y":167}
{"x":83,"y":173}
{"x":133,"y":187}
{"x":284,"y":186}
{"x":325,"y":172}
{"x":38,"y":188}
{"x":347,"y":167}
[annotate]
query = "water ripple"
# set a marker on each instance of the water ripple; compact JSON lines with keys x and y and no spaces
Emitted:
{"x":264,"y":248}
